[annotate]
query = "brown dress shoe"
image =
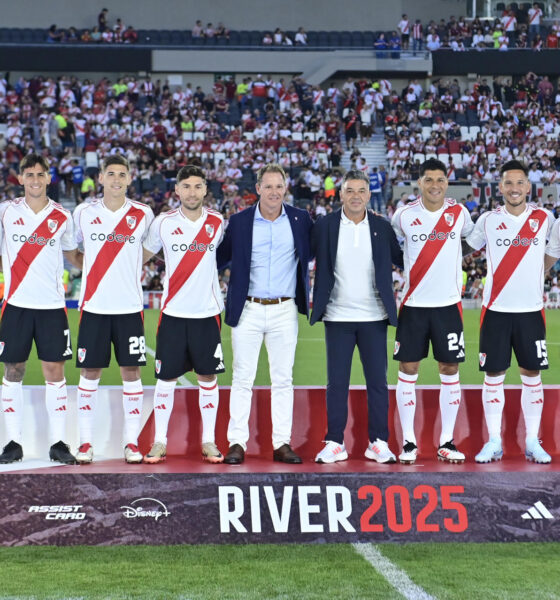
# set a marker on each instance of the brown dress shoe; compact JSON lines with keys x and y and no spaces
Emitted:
{"x":286,"y":455}
{"x":235,"y":456}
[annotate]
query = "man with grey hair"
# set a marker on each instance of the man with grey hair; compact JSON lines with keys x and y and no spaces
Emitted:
{"x":267,"y":246}
{"x":353,"y":295}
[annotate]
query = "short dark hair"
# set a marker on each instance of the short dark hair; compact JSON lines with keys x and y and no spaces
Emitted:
{"x":190,"y":171}
{"x":116,"y":159}
{"x":354,"y":174}
{"x":31,"y":160}
{"x":514,"y":165}
{"x":432,"y":164}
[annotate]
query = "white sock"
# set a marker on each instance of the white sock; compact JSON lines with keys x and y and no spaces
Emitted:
{"x":87,"y":401}
{"x":12,"y":407}
{"x":56,"y":398}
{"x":406,"y":403}
{"x":493,"y":403}
{"x":532,"y":400}
{"x":208,"y":400}
{"x":163,"y":405}
{"x":449,"y":401}
{"x":133,"y":398}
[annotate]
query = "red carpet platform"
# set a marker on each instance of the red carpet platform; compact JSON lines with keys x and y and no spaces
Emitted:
{"x":187,"y":501}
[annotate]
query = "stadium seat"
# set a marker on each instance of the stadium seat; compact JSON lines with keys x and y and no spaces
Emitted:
{"x":244,"y":39}
{"x":474,"y":131}
{"x":234,"y":38}
{"x":431,"y":155}
{"x":345,"y":39}
{"x":445,"y":159}
{"x":211,"y":41}
{"x":92,"y":160}
{"x":249,"y":135}
{"x":309,"y":135}
{"x":465,"y":134}
{"x":357,"y":38}
{"x":177,"y":37}
{"x":311,"y":38}
{"x":297,"y":136}
{"x":426,"y":132}
{"x":322,"y":38}
{"x":419,"y":156}
{"x":334,"y":39}
{"x":199,"y":135}
{"x":188,"y":136}
{"x":457,"y":161}
{"x":255,"y":38}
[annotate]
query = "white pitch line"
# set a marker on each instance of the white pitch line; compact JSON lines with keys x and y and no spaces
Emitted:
{"x":182,"y":380}
{"x":394,"y":576}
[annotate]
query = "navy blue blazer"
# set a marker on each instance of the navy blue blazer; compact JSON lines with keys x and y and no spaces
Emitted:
{"x":385,"y":249}
{"x":235,"y":252}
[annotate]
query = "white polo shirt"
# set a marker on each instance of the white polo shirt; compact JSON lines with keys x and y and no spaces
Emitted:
{"x":354,"y":296}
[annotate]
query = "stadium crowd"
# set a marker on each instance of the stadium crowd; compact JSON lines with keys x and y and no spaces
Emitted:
{"x":237,"y":127}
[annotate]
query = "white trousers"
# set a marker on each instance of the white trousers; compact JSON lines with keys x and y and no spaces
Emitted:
{"x":277,"y":325}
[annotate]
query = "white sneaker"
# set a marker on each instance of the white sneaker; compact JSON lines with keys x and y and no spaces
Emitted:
{"x":535,"y":452}
{"x":492,"y":450}
{"x":331,"y":453}
{"x":84,"y":456}
{"x":210,"y":453}
{"x":132,"y":455}
{"x":409,"y":453}
{"x":448,"y":452}
{"x":379,"y":451}
{"x":157,"y":453}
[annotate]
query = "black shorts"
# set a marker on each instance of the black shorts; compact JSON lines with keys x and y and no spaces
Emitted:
{"x":188,"y":344}
{"x":47,"y":327}
{"x":97,"y":332}
{"x":502,"y":331}
{"x":418,"y":326}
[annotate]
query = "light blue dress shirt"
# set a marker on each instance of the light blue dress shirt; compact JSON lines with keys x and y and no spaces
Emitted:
{"x":273,"y":258}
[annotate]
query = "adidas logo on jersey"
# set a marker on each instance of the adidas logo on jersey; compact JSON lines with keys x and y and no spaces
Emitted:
{"x":67,"y":352}
{"x":9,"y":410}
{"x":461,"y":354}
{"x":60,"y":408}
{"x":85,"y":407}
{"x":416,"y":222}
{"x":160,"y":407}
{"x":502,"y":225}
{"x":539,"y":401}
{"x":134,"y":412}
{"x":411,"y":403}
{"x":209,"y":405}
{"x":19,"y":222}
{"x":177,"y":231}
{"x":96,"y":221}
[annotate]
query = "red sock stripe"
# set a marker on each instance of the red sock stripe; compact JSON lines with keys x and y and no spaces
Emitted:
{"x":407,"y":380}
{"x":85,"y":390}
{"x":450,"y":382}
{"x":208,"y":389}
{"x":133,"y":393}
{"x":532,"y":384}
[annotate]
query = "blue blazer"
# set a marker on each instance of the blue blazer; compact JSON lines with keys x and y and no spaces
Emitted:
{"x":386,"y":252}
{"x":235,"y":252}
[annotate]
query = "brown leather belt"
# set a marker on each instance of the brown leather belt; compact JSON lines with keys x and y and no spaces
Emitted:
{"x":268,"y":300}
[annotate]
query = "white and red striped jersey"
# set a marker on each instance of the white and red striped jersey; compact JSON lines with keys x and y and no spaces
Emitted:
{"x":515,"y":247}
{"x":191,"y":288}
{"x":432,"y":252}
{"x":32,"y":246}
{"x":112,"y":255}
{"x":553,"y":246}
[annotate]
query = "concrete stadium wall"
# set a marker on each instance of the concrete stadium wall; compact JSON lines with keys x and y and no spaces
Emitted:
{"x":240,"y":14}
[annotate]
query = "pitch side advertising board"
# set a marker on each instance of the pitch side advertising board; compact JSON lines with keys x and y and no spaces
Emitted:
{"x":279,"y":508}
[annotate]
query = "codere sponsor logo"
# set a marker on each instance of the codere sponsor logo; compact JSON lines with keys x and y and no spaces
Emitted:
{"x":60,"y":513}
{"x":115,"y":238}
{"x":33,"y":239}
{"x":517,"y":241}
{"x":432,"y":237}
{"x":192,"y":247}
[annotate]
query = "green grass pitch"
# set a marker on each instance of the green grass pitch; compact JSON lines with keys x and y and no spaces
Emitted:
{"x":310,"y":361}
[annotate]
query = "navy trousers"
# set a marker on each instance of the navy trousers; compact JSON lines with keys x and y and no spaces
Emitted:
{"x":371,"y":338}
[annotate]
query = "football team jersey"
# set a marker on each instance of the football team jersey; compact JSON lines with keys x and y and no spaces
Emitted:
{"x":515,"y":247}
{"x":112,"y":255}
{"x":553,"y":246}
{"x":32,"y":246}
{"x":191,"y":288}
{"x":432,"y":252}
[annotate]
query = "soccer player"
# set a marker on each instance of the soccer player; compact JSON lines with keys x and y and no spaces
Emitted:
{"x":188,"y":335}
{"x":431,"y":310}
{"x":35,"y":234}
{"x":112,"y":230}
{"x":512,"y":307}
